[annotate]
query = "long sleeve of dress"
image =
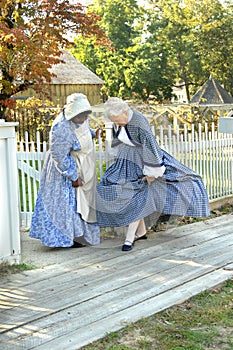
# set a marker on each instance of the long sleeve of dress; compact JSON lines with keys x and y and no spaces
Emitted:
{"x":62,"y":142}
{"x":151,"y":152}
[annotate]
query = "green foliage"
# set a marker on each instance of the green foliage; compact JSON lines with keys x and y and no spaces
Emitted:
{"x":33,"y":115}
{"x":196,"y":36}
{"x":157,"y":46}
{"x":148,"y":72}
{"x":119,"y":20}
{"x":214,"y":41}
{"x":32,"y":36}
{"x":122,"y":22}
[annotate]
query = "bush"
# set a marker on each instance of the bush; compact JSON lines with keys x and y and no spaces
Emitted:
{"x":33,"y":115}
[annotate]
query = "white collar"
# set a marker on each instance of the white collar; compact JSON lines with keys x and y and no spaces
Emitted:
{"x":130,"y":115}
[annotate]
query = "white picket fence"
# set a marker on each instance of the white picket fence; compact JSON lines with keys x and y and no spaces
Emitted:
{"x":207,"y":152}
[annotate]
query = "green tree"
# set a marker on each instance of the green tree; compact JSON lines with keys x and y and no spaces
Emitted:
{"x":213,"y":39}
{"x":197,"y":36}
{"x":171,"y":24}
{"x":122,"y":23}
{"x":148,"y":72}
{"x":154,"y":48}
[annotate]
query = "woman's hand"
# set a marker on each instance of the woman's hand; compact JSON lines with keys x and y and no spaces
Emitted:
{"x":98,"y":133}
{"x":77,"y":183}
{"x":149,"y":179}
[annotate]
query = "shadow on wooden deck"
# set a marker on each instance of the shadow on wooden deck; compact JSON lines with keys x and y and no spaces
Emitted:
{"x":79,"y":295}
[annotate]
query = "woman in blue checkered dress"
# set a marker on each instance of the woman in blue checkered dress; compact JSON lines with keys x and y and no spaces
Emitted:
{"x":144,"y":183}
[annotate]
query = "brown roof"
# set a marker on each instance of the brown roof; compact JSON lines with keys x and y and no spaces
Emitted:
{"x":73,"y":72}
{"x":212,"y":93}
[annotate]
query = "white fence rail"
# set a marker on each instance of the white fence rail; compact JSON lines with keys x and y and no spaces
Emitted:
{"x":208,"y":153}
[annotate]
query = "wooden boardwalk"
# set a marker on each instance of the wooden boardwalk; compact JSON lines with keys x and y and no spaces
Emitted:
{"x":94,"y":291}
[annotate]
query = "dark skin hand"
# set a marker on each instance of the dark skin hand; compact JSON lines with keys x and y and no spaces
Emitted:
{"x":77,"y":182}
{"x":98,"y":132}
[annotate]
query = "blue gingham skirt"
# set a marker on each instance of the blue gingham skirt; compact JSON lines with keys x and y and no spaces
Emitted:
{"x":123,"y":197}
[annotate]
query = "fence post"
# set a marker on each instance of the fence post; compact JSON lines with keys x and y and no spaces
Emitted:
{"x":108,"y":130}
{"x":9,"y":198}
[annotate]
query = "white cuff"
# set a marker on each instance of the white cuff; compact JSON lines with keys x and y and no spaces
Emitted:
{"x":154,"y":171}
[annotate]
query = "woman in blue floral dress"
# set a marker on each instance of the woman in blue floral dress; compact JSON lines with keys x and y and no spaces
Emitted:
{"x":65,"y":214}
{"x":144,"y":183}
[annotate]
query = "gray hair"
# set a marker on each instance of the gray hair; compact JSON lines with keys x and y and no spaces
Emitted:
{"x":115,"y":106}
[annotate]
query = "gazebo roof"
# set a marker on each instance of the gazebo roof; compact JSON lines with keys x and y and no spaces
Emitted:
{"x":211,"y":93}
{"x":73,"y":72}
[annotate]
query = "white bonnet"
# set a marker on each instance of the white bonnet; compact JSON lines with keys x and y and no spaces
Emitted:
{"x":115,"y":106}
{"x":75,"y":104}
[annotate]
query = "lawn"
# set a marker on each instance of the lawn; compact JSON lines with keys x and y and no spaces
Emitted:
{"x":203,"y":322}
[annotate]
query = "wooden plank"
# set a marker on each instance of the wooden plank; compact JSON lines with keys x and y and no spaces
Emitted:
{"x":178,"y":231}
{"x":180,"y":238}
{"x":66,"y":275}
{"x":159,"y":303}
{"x":205,"y":248}
{"x":97,"y":286}
{"x":70,"y":278}
{"x":130,"y":294}
{"x":83,"y":336}
{"x":93,"y":286}
{"x":87,"y":288}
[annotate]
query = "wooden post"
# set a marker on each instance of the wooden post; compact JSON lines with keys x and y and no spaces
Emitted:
{"x":9,"y":199}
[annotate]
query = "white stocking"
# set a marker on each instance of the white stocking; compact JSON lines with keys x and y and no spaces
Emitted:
{"x":132,"y":228}
{"x":141,"y":230}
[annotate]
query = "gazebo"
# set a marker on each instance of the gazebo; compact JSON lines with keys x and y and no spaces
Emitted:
{"x":213,"y":98}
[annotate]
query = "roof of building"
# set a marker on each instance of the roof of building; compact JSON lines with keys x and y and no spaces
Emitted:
{"x":73,"y":72}
{"x":211,"y":93}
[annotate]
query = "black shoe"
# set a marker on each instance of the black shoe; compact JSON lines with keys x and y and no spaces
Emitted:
{"x":77,"y":245}
{"x":142,"y":237}
{"x":126,"y":247}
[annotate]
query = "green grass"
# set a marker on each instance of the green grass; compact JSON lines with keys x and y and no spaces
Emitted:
{"x":203,"y":322}
{"x":24,"y":195}
{"x":6,"y":269}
